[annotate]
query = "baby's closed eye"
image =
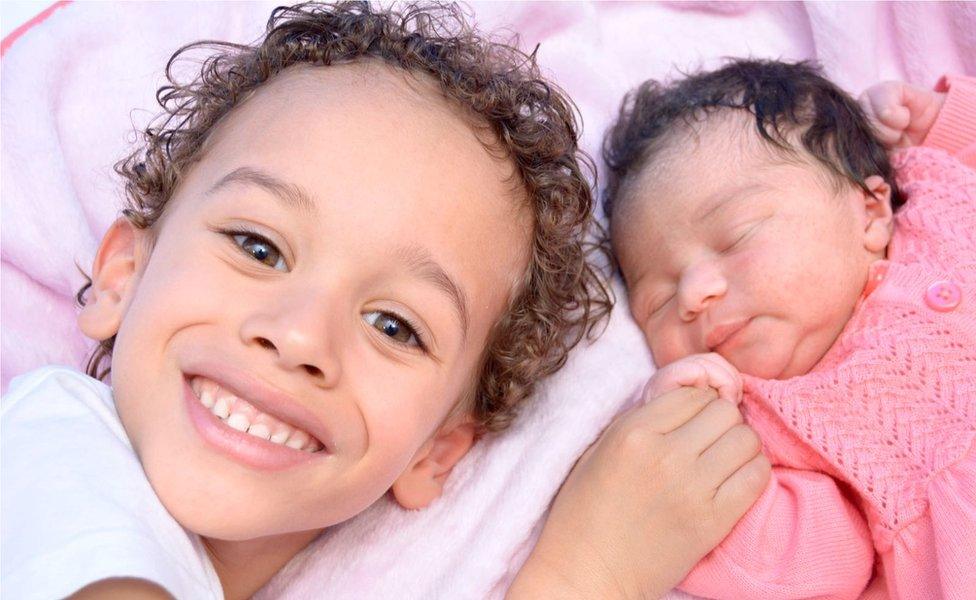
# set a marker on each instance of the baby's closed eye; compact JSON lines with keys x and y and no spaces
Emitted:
{"x":738,"y":236}
{"x":657,"y":301}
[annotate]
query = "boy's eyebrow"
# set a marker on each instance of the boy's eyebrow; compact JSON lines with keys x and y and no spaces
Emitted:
{"x":291,"y":194}
{"x":419,"y":260}
{"x":723,"y":197}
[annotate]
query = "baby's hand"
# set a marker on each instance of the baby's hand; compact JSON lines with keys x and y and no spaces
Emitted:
{"x":901,"y":113}
{"x":701,"y":371}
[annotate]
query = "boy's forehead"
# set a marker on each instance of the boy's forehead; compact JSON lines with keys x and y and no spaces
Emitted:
{"x":366,"y":106}
{"x":368,"y":81}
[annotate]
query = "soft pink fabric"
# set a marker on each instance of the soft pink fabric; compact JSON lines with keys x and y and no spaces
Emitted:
{"x":73,"y":85}
{"x":955,"y":130}
{"x":875,"y":447}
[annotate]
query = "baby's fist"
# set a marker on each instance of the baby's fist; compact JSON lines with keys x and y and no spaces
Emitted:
{"x":902,"y":114}
{"x":700,"y":371}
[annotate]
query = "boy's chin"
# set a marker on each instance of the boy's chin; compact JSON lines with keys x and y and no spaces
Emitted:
{"x":215,"y":512}
{"x":241,"y":526}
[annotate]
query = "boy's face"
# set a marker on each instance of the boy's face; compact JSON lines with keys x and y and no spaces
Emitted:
{"x":330,"y":268}
{"x":728,"y":248}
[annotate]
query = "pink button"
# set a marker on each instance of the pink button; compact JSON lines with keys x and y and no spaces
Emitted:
{"x":943,"y":296}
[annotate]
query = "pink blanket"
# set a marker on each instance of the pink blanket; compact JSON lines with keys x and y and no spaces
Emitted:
{"x":69,"y":85}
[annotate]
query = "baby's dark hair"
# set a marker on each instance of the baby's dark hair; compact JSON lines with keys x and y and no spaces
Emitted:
{"x":562,"y":297}
{"x":787,"y":100}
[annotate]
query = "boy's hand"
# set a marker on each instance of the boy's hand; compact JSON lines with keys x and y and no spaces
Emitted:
{"x":664,"y":485}
{"x":702,"y":371}
{"x":901,"y":113}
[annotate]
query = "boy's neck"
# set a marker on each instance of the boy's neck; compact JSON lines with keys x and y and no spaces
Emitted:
{"x":246,"y":566}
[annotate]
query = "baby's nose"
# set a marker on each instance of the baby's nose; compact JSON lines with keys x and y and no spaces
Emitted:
{"x":699,"y":287}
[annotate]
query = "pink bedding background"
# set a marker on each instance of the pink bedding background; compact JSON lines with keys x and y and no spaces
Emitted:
{"x":73,"y":84}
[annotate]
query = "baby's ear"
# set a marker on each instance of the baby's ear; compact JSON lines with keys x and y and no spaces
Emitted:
{"x":423,"y":481}
{"x":878,"y":216}
{"x":114,"y":274}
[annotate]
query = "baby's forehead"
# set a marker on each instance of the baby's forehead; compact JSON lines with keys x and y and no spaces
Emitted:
{"x":697,"y":165}
{"x":722,"y":149}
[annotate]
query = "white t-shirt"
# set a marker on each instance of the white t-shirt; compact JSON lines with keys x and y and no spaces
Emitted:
{"x":75,"y":504}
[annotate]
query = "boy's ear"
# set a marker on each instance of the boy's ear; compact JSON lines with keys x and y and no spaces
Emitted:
{"x":113,"y":277}
{"x":423,"y":481}
{"x":878,"y":216}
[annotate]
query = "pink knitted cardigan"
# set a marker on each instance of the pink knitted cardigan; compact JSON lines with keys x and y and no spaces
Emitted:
{"x":873,"y":450}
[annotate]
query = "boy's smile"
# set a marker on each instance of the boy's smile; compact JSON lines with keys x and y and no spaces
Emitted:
{"x":252,"y":421}
{"x":296,"y":334}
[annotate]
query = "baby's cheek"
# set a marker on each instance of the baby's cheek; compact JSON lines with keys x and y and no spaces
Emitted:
{"x":665,"y":344}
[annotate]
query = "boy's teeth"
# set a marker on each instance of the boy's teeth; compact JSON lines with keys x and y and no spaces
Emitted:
{"x":221,"y":408}
{"x":221,"y":403}
{"x":259,"y":430}
{"x":238,"y":422}
{"x":297,"y":440}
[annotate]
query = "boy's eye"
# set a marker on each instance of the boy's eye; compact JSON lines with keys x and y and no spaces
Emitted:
{"x":393,"y":327}
{"x":261,"y":250}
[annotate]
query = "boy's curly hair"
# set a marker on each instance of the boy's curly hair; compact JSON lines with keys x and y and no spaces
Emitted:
{"x":787,"y":101}
{"x":562,"y":297}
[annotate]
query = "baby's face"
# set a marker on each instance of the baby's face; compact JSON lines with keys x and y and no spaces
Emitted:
{"x":727,"y":248}
{"x":330,"y":270}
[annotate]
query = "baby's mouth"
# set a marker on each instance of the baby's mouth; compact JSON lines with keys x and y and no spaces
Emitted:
{"x":239,"y":414}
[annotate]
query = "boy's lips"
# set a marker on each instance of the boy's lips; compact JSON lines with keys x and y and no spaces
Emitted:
{"x":264,"y":398}
{"x":724,"y":333}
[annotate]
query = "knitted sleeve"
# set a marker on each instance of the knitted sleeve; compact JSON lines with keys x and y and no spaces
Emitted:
{"x":802,"y":539}
{"x":955,"y":128}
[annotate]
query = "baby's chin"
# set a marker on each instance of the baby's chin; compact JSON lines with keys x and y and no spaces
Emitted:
{"x":773,"y":361}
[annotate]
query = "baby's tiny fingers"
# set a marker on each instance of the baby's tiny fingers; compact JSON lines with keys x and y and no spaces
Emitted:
{"x":895,"y":116}
{"x":724,"y":377}
{"x":887,"y":136}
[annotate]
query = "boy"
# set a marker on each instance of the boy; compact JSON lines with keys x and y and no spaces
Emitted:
{"x":296,"y":305}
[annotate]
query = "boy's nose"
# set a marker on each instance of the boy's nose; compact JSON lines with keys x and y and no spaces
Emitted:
{"x":297,"y":337}
{"x":700,"y":286}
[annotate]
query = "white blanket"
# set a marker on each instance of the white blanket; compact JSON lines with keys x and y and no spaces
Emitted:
{"x":69,"y":87}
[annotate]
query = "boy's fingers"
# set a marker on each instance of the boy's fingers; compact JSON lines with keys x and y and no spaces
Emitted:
{"x":728,"y":454}
{"x":673,"y":409}
{"x":705,"y":428}
{"x":741,"y":490}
